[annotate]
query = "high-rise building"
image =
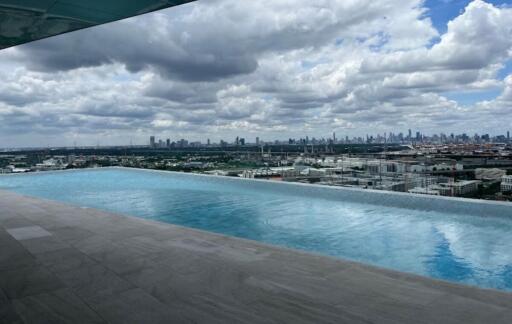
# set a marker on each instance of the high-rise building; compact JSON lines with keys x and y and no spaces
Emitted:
{"x":257,"y":141}
{"x":508,"y":136}
{"x":168,"y":143}
{"x":152,"y":142}
{"x":410,"y":135}
{"x":208,"y":142}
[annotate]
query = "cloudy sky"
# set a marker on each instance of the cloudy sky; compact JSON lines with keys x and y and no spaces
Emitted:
{"x":270,"y":68}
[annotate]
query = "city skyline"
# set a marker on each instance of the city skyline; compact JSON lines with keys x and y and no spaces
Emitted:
{"x":352,"y":67}
{"x":390,"y":137}
{"x":409,"y":136}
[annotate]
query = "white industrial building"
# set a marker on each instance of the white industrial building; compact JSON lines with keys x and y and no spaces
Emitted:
{"x":454,"y":189}
{"x":506,"y":183}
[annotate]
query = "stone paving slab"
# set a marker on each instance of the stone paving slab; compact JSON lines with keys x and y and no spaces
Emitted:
{"x":59,"y":306}
{"x":97,"y":267}
{"x":27,"y":232}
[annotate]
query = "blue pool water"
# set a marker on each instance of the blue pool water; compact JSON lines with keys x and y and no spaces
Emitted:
{"x":456,"y":247}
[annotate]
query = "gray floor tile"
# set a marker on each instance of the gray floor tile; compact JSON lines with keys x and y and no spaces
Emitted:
{"x":57,"y":307}
{"x":43,"y":244}
{"x":28,"y":281}
{"x":71,"y":234}
{"x":28,"y":232}
{"x":15,"y":222}
{"x":12,"y":254}
{"x":7,"y":311}
{"x":90,"y":282}
{"x":93,"y":244}
{"x":124,"y":263}
{"x":65,"y":260}
{"x":136,"y":306}
{"x":12,"y":259}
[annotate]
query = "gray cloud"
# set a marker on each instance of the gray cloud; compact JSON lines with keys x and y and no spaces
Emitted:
{"x":209,"y":40}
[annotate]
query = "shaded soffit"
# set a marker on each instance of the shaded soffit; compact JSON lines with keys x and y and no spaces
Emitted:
{"x":23,"y":21}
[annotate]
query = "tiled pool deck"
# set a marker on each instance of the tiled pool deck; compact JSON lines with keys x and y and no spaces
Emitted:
{"x":64,"y":264}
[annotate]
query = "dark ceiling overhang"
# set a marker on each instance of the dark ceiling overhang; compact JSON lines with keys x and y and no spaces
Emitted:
{"x":23,"y":21}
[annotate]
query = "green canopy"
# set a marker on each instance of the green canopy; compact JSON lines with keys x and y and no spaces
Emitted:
{"x":23,"y":21}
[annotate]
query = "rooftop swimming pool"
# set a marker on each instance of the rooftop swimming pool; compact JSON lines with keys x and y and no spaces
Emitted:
{"x":457,"y":240}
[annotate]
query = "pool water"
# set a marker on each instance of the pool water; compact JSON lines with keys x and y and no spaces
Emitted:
{"x":455,"y":247}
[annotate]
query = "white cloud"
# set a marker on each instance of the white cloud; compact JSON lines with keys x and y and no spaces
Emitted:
{"x":507,"y":93}
{"x":226,"y":67}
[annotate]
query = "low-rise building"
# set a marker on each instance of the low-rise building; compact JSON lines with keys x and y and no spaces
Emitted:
{"x":50,"y":164}
{"x":506,"y":183}
{"x":425,"y":191}
{"x":16,"y":169}
{"x":464,"y":188}
{"x":453,"y":189}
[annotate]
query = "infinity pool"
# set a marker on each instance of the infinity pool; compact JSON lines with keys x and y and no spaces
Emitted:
{"x":361,"y":226}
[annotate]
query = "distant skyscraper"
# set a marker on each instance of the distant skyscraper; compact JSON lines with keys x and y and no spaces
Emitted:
{"x":208,"y":142}
{"x":410,"y":134}
{"x":508,"y":136}
{"x":257,"y":141}
{"x":152,"y":142}
{"x":183,"y":143}
{"x":168,"y":143}
{"x":333,"y":137}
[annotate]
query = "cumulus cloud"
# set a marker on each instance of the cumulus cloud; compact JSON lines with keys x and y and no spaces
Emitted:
{"x":475,"y":40}
{"x":265,"y":68}
{"x":507,"y":93}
